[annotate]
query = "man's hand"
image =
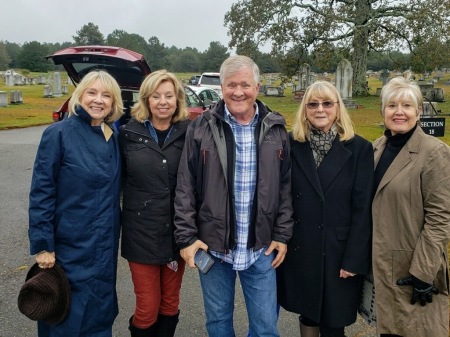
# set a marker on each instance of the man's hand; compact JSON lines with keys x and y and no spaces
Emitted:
{"x":281,"y":248}
{"x":188,"y":253}
{"x":422,"y":291}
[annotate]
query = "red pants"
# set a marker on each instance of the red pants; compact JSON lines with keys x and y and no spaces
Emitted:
{"x":157,"y":289}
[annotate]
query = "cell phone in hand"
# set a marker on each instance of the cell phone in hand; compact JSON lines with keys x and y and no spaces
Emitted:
{"x":203,"y":261}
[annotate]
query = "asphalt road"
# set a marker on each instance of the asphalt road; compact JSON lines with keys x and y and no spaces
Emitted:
{"x":17,"y":153}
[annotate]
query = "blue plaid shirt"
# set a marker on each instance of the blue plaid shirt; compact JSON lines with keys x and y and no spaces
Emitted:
{"x":244,"y":190}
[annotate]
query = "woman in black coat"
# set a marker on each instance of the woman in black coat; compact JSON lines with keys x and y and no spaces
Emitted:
{"x":151,"y":145}
{"x":332,"y":170}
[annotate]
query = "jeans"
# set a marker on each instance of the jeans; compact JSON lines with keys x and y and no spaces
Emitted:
{"x":259,"y":287}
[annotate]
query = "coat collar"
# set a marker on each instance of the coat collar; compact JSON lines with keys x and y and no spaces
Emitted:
{"x":404,"y":157}
{"x":139,"y":130}
{"x":330,"y":167}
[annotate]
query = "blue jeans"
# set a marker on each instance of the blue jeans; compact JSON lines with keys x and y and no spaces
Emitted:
{"x":259,"y":287}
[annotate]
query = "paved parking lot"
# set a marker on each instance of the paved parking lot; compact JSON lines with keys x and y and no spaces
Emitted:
{"x":18,"y":148}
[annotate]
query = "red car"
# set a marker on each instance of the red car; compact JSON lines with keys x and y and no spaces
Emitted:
{"x":126,"y":66}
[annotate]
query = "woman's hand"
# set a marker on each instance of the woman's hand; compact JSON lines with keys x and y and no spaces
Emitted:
{"x":344,"y":274}
{"x":45,"y":259}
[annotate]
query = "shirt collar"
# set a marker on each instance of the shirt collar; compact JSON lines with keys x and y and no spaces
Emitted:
{"x":230,"y":118}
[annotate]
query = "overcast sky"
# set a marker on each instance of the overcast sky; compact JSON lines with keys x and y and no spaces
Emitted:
{"x":179,"y":23}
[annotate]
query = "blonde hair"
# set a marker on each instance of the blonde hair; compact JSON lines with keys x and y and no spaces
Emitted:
{"x":399,"y":88}
{"x":141,"y":110}
{"x":326,"y":91}
{"x":109,"y":83}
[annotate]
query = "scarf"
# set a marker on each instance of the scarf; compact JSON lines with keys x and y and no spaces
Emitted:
{"x":321,"y":142}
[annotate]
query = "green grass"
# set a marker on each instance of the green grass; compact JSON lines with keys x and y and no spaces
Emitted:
{"x":37,"y":110}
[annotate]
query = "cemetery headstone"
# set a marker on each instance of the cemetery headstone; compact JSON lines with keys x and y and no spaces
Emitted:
{"x":16,"y":97}
{"x":3,"y":99}
{"x":384,"y":77}
{"x":48,"y":91}
{"x":344,"y":74}
{"x":344,"y":82}
{"x":304,"y":76}
{"x":9,"y":80}
{"x":57,"y":84}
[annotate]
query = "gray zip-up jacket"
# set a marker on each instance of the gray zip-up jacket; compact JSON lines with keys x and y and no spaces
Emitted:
{"x":204,"y":198}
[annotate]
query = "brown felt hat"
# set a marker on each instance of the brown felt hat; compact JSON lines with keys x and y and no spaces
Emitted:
{"x":45,"y":296}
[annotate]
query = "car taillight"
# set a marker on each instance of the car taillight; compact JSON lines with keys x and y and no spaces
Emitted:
{"x":56,"y":116}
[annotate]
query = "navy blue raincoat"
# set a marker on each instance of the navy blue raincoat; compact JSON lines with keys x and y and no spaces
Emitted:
{"x":75,"y":212}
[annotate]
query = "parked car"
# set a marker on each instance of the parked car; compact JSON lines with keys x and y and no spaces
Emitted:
{"x":126,"y":66}
{"x":212,"y":81}
{"x":194,"y":104}
{"x":194,"y":80}
{"x":207,"y":95}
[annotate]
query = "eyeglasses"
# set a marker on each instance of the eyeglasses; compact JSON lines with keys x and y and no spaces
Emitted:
{"x":315,"y":105}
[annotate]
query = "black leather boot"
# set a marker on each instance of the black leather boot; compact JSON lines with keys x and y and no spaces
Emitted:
{"x":167,"y":325}
{"x":147,"y":332}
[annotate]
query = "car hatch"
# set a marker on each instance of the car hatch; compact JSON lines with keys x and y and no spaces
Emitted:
{"x":127,"y":67}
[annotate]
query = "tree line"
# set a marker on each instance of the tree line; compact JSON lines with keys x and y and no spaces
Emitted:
{"x":291,"y":44}
{"x":31,"y":55}
{"x":324,"y":30}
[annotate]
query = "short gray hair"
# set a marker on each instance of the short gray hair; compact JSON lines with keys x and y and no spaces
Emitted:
{"x":401,"y":88}
{"x":235,"y":63}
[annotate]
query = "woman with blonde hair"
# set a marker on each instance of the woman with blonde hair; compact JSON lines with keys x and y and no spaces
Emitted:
{"x":332,"y":170}
{"x":151,"y":145}
{"x":75,"y":206}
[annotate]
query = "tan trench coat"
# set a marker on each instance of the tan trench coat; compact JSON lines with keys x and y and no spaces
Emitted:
{"x":411,"y":229}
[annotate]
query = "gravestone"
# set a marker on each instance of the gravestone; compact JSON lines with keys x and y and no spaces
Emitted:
{"x":57,"y":84}
{"x":9,"y":80}
{"x":436,"y":95}
{"x":41,"y":80}
{"x":274,"y":91}
{"x":304,"y":76}
{"x":48,"y":91}
{"x":384,"y":77}
{"x":18,"y":79}
{"x":344,"y":82}
{"x":425,"y":89}
{"x":16,"y":97}
{"x":344,"y":74}
{"x":429,"y":109}
{"x":3,"y":99}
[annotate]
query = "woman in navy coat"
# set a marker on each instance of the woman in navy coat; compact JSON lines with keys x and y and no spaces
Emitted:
{"x":74,"y":207}
{"x":332,"y":170}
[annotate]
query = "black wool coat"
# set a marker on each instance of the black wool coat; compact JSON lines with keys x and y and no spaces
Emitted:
{"x":332,"y":231}
{"x":149,"y":182}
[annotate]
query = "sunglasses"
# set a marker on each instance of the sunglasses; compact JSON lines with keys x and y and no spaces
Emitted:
{"x":315,"y":105}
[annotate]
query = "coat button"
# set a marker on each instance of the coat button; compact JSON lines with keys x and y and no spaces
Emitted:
{"x":298,"y":195}
{"x":321,"y":226}
{"x":164,"y":161}
{"x":140,"y":139}
{"x":167,"y":225}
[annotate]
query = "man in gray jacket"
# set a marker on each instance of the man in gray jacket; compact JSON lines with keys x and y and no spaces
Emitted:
{"x":233,"y":198}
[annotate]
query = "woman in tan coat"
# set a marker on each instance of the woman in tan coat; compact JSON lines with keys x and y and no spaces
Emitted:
{"x":411,"y":220}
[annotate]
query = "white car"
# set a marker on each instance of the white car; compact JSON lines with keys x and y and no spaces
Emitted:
{"x":207,"y":95}
{"x":212,"y":81}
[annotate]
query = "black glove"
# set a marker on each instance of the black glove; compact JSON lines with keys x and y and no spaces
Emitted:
{"x":422,"y":291}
